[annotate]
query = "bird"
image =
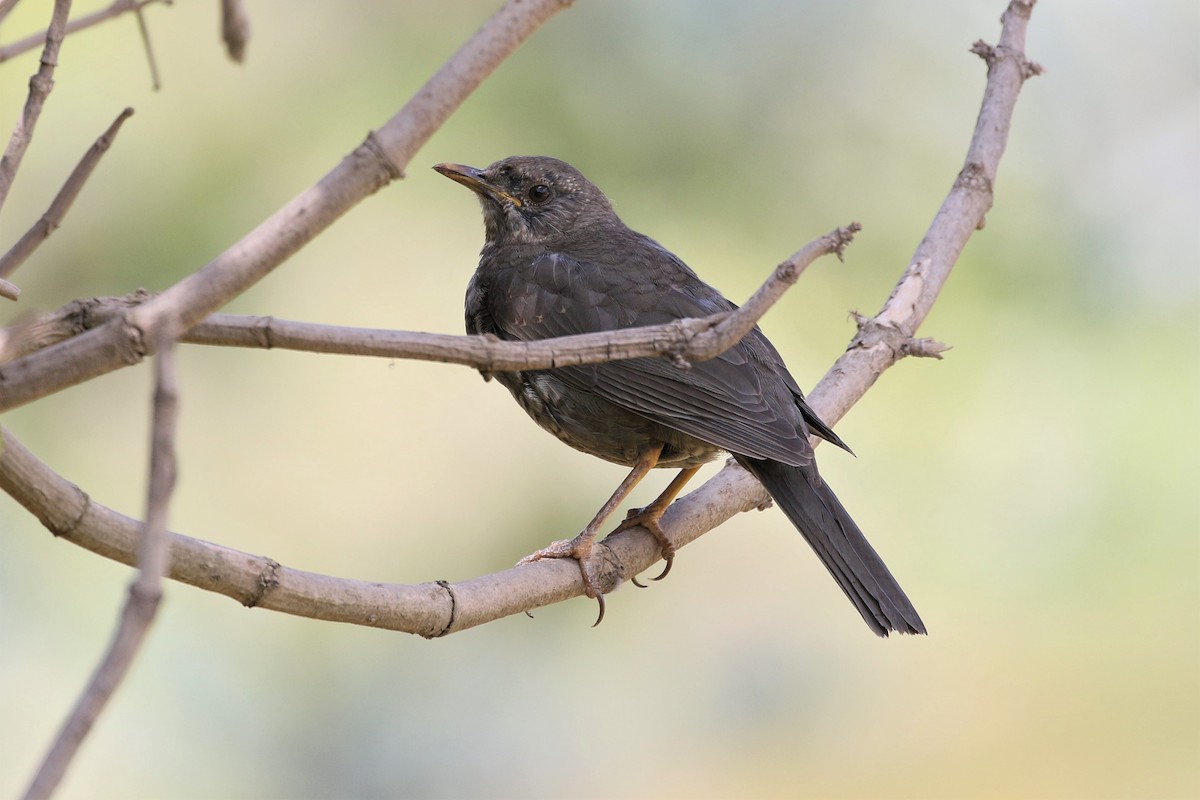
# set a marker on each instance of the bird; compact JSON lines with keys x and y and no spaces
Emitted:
{"x":556,"y":261}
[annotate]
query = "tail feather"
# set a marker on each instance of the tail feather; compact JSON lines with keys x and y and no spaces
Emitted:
{"x":817,"y":513}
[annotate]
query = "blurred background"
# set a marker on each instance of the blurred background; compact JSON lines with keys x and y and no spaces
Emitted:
{"x":1035,"y":492}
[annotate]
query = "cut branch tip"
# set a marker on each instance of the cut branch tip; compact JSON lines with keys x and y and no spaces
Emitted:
{"x":9,"y":290}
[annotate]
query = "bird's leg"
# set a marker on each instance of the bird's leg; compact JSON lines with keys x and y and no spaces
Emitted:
{"x":580,"y":548}
{"x":648,"y":517}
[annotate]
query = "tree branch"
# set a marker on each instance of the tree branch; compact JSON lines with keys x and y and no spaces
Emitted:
{"x":88,"y":20}
{"x":39,"y":89}
{"x":145,"y":592}
{"x":435,"y":609}
{"x":148,"y":48}
{"x":6,"y":6}
{"x":682,"y":340}
{"x":374,"y":164}
{"x":888,"y":337}
{"x":61,"y":204}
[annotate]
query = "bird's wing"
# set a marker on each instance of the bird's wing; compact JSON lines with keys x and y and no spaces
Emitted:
{"x":743,"y":400}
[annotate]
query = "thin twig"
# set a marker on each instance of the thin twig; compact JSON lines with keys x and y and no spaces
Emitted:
{"x":373,"y":165}
{"x":39,"y":89}
{"x":148,"y":46}
{"x":730,"y":331}
{"x":86,"y":21}
{"x":61,"y":204}
{"x":145,"y":592}
{"x":685,"y":340}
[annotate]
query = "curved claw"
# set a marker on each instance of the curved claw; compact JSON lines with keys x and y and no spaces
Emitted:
{"x":600,"y":618}
{"x":638,"y":583}
{"x":669,"y":558}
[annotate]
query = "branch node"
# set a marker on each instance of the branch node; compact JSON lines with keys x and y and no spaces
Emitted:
{"x":268,"y":580}
{"x":993,"y":54}
{"x":380,"y":154}
{"x":841,"y":238}
{"x":974,"y":177}
{"x":133,"y":344}
{"x":984,"y":51}
{"x":873,"y":331}
{"x":65,"y":531}
{"x":262,"y":331}
{"x":924,"y":348}
{"x":787,"y":272}
{"x":453,"y":617}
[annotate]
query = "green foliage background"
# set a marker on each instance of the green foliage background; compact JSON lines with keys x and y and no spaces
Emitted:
{"x":1036,"y":492}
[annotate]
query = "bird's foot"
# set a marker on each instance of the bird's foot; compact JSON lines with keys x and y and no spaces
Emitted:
{"x":595,"y":568}
{"x":648,"y":518}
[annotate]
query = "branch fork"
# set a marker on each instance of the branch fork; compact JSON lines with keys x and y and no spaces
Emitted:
{"x":128,"y":330}
{"x":424,"y":608}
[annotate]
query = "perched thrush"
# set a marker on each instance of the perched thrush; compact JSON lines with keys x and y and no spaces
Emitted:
{"x":557,"y":260}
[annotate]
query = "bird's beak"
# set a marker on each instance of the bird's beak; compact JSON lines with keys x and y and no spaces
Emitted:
{"x":473,"y":179}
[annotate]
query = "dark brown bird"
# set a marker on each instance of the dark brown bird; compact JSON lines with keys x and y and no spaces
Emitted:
{"x":557,"y":260}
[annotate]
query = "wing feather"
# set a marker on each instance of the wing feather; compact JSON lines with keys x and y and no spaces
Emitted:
{"x":743,"y":401}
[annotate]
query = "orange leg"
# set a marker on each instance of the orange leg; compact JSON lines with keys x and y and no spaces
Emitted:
{"x":580,"y":548}
{"x":648,"y":517}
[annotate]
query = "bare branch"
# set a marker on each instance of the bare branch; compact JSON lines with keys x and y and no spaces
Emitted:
{"x":61,"y":204}
{"x":7,"y":6}
{"x":730,"y":331}
{"x":682,"y":340}
{"x":235,"y":28}
{"x":39,"y":89}
{"x":145,"y":592}
{"x":373,"y":165}
{"x":889,"y":336}
{"x":435,"y":609}
{"x":86,"y":21}
{"x":427,"y":609}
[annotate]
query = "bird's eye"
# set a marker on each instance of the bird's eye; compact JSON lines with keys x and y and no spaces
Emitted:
{"x":539,"y":193}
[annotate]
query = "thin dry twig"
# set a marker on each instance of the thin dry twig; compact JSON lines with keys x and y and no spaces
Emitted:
{"x":86,"y":21}
{"x":39,"y":89}
{"x":148,"y":47}
{"x":61,"y":204}
{"x":685,"y":340}
{"x":373,"y":165}
{"x":145,"y":592}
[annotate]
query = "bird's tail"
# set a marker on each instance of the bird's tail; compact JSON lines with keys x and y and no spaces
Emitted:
{"x":817,"y":513}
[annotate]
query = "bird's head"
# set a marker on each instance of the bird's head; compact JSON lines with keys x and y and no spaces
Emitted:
{"x":532,"y":199}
